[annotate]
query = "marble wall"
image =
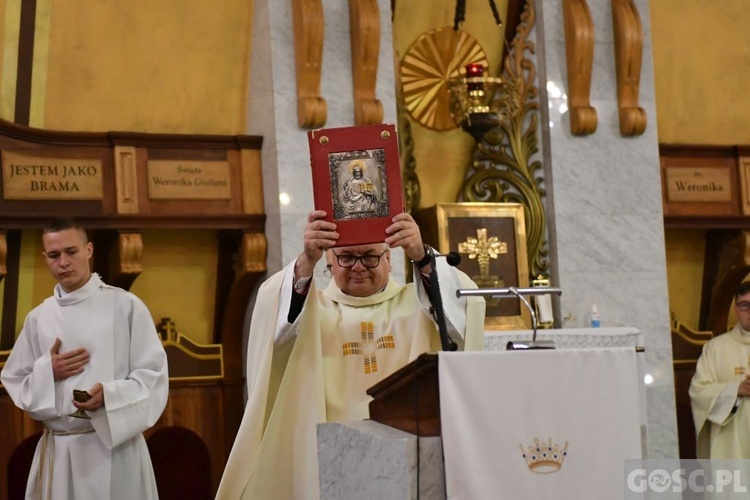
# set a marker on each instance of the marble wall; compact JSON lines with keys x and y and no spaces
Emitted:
{"x":605,"y":207}
{"x":272,"y":113}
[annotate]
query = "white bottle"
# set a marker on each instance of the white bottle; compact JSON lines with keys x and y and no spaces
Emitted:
{"x":594,"y":317}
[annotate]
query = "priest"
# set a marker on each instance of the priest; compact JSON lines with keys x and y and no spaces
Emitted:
{"x":100,"y":340}
{"x":719,"y":388}
{"x":312,"y":354}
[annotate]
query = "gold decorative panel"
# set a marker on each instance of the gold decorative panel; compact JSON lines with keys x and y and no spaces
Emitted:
{"x":426,"y":68}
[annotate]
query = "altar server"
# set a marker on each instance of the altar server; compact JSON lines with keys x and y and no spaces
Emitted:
{"x":96,"y":338}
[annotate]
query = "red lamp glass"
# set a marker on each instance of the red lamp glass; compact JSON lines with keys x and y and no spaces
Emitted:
{"x":474,"y":70}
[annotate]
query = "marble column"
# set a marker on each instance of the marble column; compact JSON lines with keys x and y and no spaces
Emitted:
{"x":605,"y":207}
{"x":272,"y":113}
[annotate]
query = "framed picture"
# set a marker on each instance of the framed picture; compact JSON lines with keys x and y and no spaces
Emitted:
{"x":491,"y":240}
{"x":357,"y":180}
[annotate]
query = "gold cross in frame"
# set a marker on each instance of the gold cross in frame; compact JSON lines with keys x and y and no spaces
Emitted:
{"x":484,"y":249}
{"x":446,"y":225}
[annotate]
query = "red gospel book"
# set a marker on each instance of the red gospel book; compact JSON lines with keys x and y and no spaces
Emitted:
{"x":357,"y":180}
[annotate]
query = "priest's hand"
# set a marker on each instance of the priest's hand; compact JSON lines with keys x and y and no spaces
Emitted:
{"x":404,"y":233}
{"x":96,"y":400}
{"x":744,"y":388}
{"x":319,"y":235}
{"x":68,"y":363}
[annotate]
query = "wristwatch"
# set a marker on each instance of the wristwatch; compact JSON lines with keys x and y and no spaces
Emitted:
{"x":300,"y":286}
{"x":426,"y":259}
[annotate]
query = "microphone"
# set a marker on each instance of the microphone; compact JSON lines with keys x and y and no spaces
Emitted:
{"x":452,"y":258}
{"x":433,"y":290}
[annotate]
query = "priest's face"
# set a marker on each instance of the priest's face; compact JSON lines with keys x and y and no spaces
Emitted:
{"x":742,"y":309}
{"x":67,"y":253}
{"x":352,"y":268}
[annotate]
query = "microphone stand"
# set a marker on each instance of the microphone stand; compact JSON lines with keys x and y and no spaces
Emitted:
{"x":438,"y":312}
{"x":521,"y":294}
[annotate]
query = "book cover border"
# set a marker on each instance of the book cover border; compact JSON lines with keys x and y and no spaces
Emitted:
{"x":357,"y":180}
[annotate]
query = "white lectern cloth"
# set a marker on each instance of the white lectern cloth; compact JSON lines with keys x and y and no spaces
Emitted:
{"x":495,"y":403}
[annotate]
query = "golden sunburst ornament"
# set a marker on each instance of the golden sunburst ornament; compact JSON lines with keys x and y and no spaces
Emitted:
{"x":426,"y":69}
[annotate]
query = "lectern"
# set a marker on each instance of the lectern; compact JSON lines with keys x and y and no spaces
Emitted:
{"x":409,"y":398}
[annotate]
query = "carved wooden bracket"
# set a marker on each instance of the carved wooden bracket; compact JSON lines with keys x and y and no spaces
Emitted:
{"x":364,"y":27}
{"x":252,"y":254}
{"x":308,"y":55}
{"x":3,"y":255}
{"x":628,"y":56}
{"x":579,"y":55}
{"x":125,"y":260}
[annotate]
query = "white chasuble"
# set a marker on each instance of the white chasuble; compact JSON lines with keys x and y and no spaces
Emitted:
{"x":367,"y":339}
{"x":340,"y":347}
{"x":105,"y":457}
{"x":722,"y":420}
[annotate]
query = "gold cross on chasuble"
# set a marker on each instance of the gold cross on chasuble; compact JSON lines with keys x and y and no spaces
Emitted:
{"x":369,"y":347}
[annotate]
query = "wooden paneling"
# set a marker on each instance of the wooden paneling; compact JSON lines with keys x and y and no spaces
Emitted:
{"x":687,"y":345}
{"x":211,"y":407}
{"x":213,"y":411}
{"x":16,"y":425}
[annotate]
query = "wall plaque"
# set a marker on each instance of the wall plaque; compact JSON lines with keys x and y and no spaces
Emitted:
{"x":27,"y":177}
{"x":188,"y":180}
{"x":703,"y":185}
